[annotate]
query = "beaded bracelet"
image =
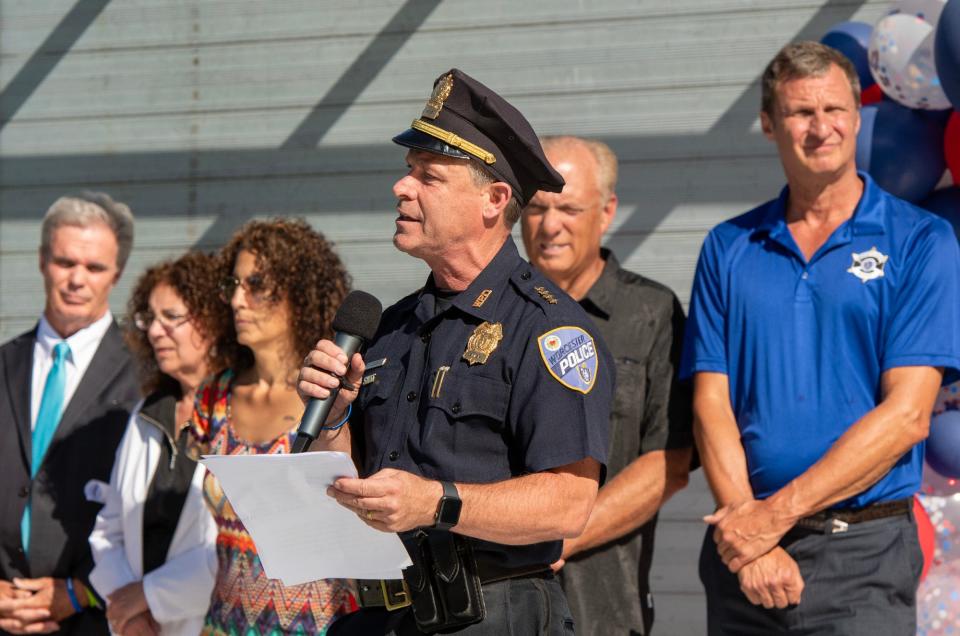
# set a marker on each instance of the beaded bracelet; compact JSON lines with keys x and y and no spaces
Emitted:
{"x":337,"y":427}
{"x":77,"y":607}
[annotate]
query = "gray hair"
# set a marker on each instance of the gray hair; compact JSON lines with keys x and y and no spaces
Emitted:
{"x":800,"y":60}
{"x":607,"y":165}
{"x":481,"y":177}
{"x":85,"y":209}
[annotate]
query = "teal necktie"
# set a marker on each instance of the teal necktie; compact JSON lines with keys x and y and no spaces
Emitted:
{"x":51,"y":408}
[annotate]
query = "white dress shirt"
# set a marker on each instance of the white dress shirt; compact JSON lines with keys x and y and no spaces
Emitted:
{"x":83,"y":345}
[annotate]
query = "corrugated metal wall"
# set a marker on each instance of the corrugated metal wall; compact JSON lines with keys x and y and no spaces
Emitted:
{"x":204,"y":113}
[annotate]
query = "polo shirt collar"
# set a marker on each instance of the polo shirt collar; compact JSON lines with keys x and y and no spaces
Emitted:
{"x":494,"y":278}
{"x":867,"y":216}
{"x":603,"y":294}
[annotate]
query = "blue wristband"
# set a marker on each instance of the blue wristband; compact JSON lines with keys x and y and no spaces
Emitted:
{"x":77,"y":607}
{"x":337,"y":427}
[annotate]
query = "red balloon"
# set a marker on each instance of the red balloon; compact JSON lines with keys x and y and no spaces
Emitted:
{"x":926,"y":534}
{"x":871,"y":95}
{"x":951,"y":146}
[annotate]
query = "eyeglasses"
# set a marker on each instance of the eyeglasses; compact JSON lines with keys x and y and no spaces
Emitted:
{"x":254,"y":285}
{"x":168,"y":320}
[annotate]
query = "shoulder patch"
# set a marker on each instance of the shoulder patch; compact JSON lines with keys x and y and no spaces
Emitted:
{"x":570,"y":356}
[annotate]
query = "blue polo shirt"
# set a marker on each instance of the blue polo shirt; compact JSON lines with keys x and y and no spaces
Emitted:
{"x":804,"y":343}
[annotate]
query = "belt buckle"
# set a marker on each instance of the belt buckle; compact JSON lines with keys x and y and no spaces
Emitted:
{"x":388,"y":601}
{"x":836,"y":525}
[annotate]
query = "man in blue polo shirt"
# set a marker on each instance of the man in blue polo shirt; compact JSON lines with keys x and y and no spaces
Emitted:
{"x":821,"y":325}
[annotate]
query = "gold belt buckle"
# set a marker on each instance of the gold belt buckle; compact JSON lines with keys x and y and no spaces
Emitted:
{"x":390,"y":604}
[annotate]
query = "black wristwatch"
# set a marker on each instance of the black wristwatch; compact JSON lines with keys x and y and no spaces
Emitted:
{"x":448,"y":509}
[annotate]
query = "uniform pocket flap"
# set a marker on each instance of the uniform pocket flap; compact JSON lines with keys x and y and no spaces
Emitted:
{"x":467,"y":395}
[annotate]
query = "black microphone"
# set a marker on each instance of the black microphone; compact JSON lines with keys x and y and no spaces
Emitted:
{"x":355,"y":323}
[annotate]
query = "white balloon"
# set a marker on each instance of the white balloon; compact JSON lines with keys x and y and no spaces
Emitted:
{"x":929,"y":10}
{"x":901,"y":61}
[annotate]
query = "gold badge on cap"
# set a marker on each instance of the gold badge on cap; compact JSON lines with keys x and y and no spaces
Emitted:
{"x":482,"y":298}
{"x":546,"y":294}
{"x":440,"y":94}
{"x":482,"y":342}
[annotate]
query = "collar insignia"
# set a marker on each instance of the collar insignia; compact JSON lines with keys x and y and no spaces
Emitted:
{"x":546,"y":294}
{"x":440,"y":94}
{"x":482,"y":342}
{"x":482,"y":298}
{"x":868,"y":265}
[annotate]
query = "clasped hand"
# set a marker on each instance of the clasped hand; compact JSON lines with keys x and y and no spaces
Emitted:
{"x":747,"y":536}
{"x":746,"y":530}
{"x":33,"y":606}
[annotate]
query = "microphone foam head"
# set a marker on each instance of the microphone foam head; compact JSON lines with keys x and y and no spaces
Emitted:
{"x":359,"y":315}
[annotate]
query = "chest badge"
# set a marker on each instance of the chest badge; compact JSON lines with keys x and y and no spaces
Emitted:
{"x":868,"y":265}
{"x":482,"y":342}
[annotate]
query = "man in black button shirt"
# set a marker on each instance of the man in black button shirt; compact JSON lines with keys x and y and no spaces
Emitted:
{"x":605,"y":571}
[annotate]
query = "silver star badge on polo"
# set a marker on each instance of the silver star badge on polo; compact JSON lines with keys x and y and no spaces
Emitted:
{"x":868,"y":265}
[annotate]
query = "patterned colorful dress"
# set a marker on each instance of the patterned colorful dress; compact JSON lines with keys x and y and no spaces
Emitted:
{"x":245,"y":602}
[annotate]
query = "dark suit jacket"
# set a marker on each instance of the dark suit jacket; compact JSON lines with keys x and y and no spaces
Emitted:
{"x":82,"y":449}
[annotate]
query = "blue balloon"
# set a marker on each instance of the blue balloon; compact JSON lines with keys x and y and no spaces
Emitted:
{"x":945,"y":202}
{"x":946,"y":52}
{"x":853,"y":39}
{"x":902,"y":149}
{"x":943,"y":444}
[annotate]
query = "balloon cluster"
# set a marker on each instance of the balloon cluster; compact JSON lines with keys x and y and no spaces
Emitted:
{"x":909,"y":69}
{"x":938,"y":598}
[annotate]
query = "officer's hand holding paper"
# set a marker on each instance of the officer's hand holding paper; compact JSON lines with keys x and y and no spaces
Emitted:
{"x":302,"y":534}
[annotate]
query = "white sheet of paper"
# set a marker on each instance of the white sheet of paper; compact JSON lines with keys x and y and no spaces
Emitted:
{"x":300,"y":532}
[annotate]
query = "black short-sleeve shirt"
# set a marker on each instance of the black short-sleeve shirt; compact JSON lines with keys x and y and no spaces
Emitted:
{"x":608,"y":587}
{"x":507,"y":378}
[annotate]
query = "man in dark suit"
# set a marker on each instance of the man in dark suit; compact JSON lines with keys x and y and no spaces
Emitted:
{"x":66,"y":391}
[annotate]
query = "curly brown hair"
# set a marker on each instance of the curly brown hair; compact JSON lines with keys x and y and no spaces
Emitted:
{"x":299,"y":265}
{"x":194,"y":277}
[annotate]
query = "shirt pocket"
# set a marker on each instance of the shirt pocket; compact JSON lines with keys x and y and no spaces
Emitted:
{"x":631,"y":389}
{"x":465,"y":426}
{"x":472,"y":398}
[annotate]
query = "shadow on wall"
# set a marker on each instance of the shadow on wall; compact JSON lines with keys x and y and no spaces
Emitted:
{"x":301,"y":177}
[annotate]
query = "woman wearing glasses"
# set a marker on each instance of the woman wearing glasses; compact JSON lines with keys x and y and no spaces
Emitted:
{"x":153,"y":542}
{"x":284,"y":283}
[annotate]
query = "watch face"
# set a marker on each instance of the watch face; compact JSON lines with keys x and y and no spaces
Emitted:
{"x":449,"y":512}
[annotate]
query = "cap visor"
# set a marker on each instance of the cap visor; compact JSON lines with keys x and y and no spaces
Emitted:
{"x":422,"y":141}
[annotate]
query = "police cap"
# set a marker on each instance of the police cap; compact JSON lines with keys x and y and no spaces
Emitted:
{"x":465,"y":119}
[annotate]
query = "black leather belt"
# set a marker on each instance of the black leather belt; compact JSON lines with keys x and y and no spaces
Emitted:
{"x":394,"y":594}
{"x":834,"y":521}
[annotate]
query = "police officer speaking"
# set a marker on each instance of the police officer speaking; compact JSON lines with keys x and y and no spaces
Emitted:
{"x":480,"y":410}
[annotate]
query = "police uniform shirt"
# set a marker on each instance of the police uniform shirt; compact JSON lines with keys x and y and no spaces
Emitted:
{"x":509,"y":379}
{"x":804,"y":343}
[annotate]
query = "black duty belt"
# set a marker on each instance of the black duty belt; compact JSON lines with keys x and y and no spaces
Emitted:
{"x":394,"y":594}
{"x":837,"y":520}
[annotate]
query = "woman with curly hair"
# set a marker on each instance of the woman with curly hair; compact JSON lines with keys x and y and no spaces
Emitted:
{"x":284,"y":283}
{"x":153,"y":541}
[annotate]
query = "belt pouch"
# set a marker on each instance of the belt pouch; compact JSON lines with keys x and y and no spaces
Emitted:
{"x":455,"y":571}
{"x":427,"y":610}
